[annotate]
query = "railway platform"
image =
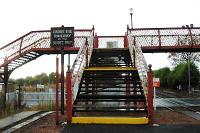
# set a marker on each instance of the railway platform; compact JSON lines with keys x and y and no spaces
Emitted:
{"x":16,"y":121}
{"x":80,"y":128}
{"x":15,"y":118}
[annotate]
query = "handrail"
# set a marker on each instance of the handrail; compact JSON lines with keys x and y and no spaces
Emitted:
{"x":138,"y":59}
{"x":148,"y":37}
{"x":163,"y":28}
{"x":79,"y":64}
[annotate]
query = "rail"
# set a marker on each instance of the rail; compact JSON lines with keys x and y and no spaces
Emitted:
{"x":80,"y":63}
{"x":138,"y":58}
{"x":163,"y":37}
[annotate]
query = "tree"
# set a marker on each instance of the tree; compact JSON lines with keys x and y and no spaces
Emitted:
{"x":52,"y":78}
{"x":184,"y":57}
{"x":42,"y":78}
{"x":178,"y":76}
{"x":29,"y":80}
{"x":20,"y":81}
{"x":163,"y":74}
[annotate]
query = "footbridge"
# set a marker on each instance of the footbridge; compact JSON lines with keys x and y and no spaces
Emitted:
{"x":109,"y":81}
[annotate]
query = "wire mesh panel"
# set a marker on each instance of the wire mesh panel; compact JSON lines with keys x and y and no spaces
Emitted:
{"x":80,"y":63}
{"x":138,"y":58}
{"x":167,"y":36}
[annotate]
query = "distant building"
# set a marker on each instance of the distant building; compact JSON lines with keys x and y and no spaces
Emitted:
{"x":112,"y":44}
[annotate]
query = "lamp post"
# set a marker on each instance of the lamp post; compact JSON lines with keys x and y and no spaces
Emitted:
{"x":189,"y":58}
{"x":131,"y":13}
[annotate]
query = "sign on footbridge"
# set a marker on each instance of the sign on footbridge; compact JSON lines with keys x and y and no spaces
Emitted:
{"x":62,"y":36}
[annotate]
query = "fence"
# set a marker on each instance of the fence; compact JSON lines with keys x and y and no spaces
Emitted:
{"x":30,"y":99}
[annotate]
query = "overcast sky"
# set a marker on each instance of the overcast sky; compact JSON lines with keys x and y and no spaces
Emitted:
{"x":110,"y":17}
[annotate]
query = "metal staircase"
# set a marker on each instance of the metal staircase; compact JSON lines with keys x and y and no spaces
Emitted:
{"x":105,"y":81}
{"x":110,"y":86}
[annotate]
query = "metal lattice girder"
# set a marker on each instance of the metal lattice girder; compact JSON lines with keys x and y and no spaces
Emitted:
{"x":167,"y":39}
{"x":24,"y":49}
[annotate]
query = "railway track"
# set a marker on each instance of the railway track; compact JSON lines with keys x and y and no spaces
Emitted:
{"x":25,"y":121}
{"x":178,"y":105}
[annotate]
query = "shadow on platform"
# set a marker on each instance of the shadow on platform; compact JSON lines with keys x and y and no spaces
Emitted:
{"x":93,"y":128}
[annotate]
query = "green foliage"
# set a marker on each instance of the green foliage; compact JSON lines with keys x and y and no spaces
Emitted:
{"x":52,"y":78}
{"x":195,"y":74}
{"x":178,"y":76}
{"x":163,"y":74}
{"x":42,"y":78}
{"x":20,"y":81}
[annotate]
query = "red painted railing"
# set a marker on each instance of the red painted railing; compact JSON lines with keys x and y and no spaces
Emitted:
{"x":167,"y":37}
{"x":36,"y":39}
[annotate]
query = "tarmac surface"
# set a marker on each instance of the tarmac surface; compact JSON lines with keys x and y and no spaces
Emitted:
{"x":81,"y":128}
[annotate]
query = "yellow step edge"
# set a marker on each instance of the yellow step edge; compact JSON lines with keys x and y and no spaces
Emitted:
{"x":110,"y":68}
{"x":110,"y":120}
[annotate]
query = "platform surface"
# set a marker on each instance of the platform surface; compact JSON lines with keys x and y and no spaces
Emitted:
{"x":93,"y":128}
{"x":15,"y":118}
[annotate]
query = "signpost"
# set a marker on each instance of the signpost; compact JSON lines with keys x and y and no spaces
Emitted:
{"x":156,"y":83}
{"x":62,"y":36}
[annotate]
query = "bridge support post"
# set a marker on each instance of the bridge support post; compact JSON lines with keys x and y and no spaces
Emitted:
{"x":134,"y":56}
{"x":57,"y":87}
{"x":69,"y":95}
{"x":150,"y":94}
{"x":5,"y":80}
{"x":87,"y":52}
{"x":125,"y":41}
{"x":62,"y":82}
{"x":96,"y":41}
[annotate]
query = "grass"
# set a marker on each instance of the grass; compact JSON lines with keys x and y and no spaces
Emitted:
{"x":44,"y":106}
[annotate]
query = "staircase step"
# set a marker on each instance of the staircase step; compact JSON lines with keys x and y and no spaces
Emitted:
{"x":111,"y":110}
{"x":110,"y":85}
{"x":124,"y":91}
{"x":94,"y":109}
{"x":110,"y":120}
{"x":106,"y":86}
{"x":110,"y":100}
{"x":85,"y":96}
{"x":110,"y":69}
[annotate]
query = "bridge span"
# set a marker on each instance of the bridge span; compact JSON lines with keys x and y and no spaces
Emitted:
{"x":123,"y":64}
